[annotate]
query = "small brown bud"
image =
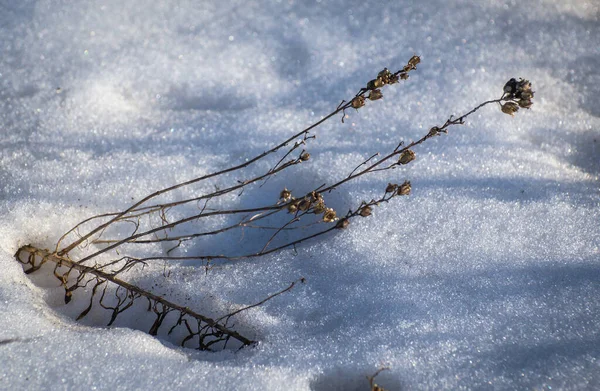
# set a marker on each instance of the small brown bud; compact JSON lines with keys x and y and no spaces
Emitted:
{"x":407,"y":157}
{"x":510,"y":108}
{"x":404,"y":189}
{"x":329,"y":216}
{"x":375,"y":94}
{"x":292,"y":208}
{"x":342,"y":224}
{"x":375,"y":83}
{"x":285,"y":194}
{"x":305,"y":156}
{"x":404,"y":76}
{"x":304,"y":205}
{"x":358,"y":102}
{"x":391,"y":188}
{"x":365,"y":211}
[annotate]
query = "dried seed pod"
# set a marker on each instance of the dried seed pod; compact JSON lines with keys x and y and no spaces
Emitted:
{"x":375,"y":83}
{"x":414,"y":60}
{"x":358,"y":102}
{"x":305,"y":156}
{"x":292,"y":208}
{"x":525,"y":103}
{"x":375,"y":94}
{"x":527,"y":95}
{"x":393,"y":79}
{"x":342,"y":224}
{"x":319,"y":207}
{"x":304,"y":205}
{"x":391,"y":188}
{"x":434,"y":131}
{"x":285,"y":194}
{"x":316,"y":197}
{"x":523,"y":85}
{"x":329,"y":216}
{"x":387,"y":77}
{"x":365,"y":211}
{"x":407,"y":157}
{"x":510,"y":108}
{"x":376,"y":387}
{"x":404,"y":189}
{"x":384,"y":74}
{"x":404,"y":76}
{"x":511,"y":86}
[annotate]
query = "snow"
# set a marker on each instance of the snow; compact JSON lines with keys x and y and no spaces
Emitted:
{"x":485,"y":277}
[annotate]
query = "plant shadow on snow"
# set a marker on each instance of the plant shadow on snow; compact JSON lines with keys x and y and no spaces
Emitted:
{"x":583,"y":76}
{"x":535,"y":336}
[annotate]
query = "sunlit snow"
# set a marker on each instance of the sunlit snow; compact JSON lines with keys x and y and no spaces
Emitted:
{"x":485,"y":277}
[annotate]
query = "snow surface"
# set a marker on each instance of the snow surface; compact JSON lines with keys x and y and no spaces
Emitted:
{"x":486,"y":277}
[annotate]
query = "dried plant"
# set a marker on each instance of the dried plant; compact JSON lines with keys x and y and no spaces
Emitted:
{"x":84,"y":256}
{"x":374,"y":386}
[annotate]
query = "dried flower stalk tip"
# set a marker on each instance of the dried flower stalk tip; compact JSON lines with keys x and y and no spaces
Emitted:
{"x":329,"y":216}
{"x":358,"y":102}
{"x":342,"y":224}
{"x":391,"y":188}
{"x":509,"y":108}
{"x":519,"y":93}
{"x":285,"y":194}
{"x":365,"y":211}
{"x":407,"y":157}
{"x":305,"y":156}
{"x":375,"y":95}
{"x":404,"y":189}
